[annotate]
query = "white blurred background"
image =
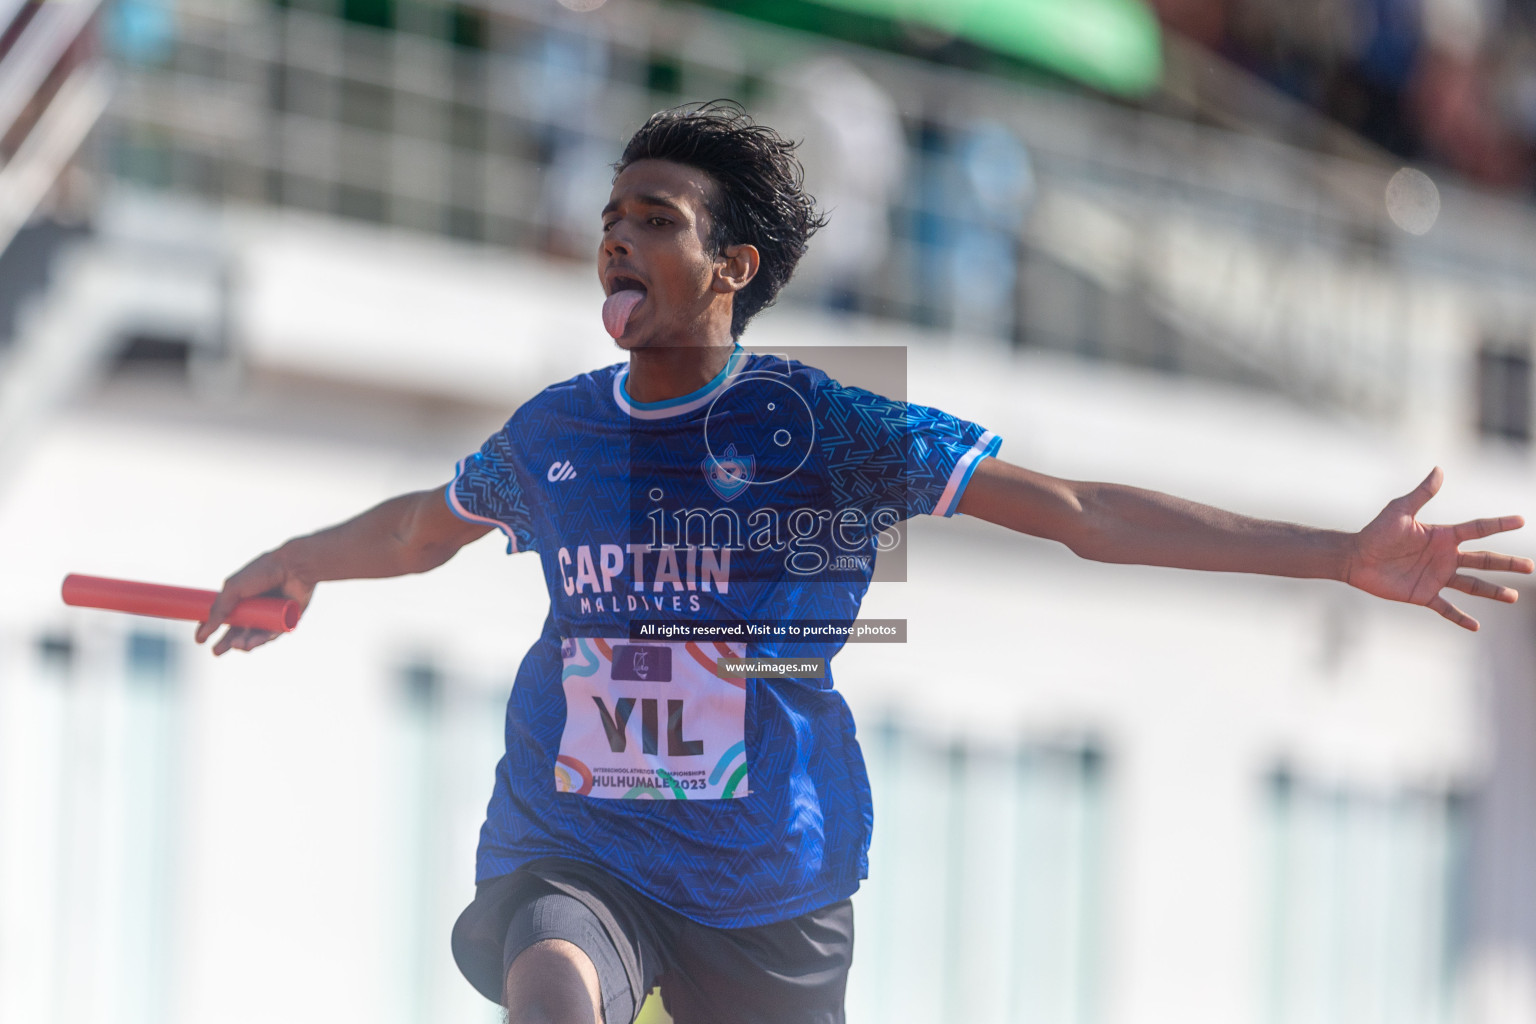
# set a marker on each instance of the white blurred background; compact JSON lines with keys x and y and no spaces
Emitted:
{"x":265,"y":264}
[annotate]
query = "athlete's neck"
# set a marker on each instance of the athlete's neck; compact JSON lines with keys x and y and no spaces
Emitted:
{"x":660,"y":374}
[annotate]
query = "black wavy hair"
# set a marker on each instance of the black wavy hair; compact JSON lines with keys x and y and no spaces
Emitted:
{"x":759,"y":198}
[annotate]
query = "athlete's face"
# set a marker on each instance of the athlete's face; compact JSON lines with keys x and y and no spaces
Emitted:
{"x":656,"y":230}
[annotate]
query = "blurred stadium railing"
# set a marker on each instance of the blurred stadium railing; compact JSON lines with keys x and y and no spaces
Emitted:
{"x":53,"y":87}
{"x":1032,"y":215}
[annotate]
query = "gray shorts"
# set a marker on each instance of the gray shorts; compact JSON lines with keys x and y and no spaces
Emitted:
{"x":787,"y":972}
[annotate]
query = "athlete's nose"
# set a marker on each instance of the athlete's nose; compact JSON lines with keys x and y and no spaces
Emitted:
{"x":614,"y":243}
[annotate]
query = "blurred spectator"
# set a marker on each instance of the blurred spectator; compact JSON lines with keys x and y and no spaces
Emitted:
{"x":1520,"y":87}
{"x":556,"y":80}
{"x":558,"y":76}
{"x":971,"y":193}
{"x":577,"y":183}
{"x":1204,"y":21}
{"x":1461,"y":125}
{"x":1454,"y":99}
{"x":854,"y":153}
{"x":999,"y":188}
{"x":1445,"y":80}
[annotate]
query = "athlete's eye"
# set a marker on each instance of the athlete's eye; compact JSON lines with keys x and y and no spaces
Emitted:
{"x":659,"y":222}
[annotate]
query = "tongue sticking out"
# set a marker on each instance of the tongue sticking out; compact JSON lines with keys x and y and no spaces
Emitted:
{"x":616,"y":310}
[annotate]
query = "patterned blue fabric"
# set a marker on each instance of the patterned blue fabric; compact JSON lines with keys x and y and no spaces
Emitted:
{"x":796,"y":475}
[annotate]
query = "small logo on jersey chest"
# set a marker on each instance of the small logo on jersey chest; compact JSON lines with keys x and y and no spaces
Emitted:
{"x":728,"y":474}
{"x":559,"y":471}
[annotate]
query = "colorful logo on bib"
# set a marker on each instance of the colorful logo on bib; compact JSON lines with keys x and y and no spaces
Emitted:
{"x":728,"y":474}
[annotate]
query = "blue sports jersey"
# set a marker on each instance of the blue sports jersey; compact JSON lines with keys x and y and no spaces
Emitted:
{"x":759,"y":498}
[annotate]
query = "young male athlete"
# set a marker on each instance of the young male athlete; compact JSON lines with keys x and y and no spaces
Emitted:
{"x":651,"y":821}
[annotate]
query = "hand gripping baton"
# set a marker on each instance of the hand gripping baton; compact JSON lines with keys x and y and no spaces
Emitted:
{"x":273,"y":614}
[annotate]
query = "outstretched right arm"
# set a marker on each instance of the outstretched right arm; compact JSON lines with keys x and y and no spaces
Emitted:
{"x":409,"y":534}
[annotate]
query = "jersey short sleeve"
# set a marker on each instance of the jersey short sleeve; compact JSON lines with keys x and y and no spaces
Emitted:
{"x":486,"y":489}
{"x":884,"y":452}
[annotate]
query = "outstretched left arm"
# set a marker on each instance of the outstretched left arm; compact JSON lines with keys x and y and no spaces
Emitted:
{"x":1395,"y":556}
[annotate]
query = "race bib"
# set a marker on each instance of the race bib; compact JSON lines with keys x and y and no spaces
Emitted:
{"x":651,"y":721}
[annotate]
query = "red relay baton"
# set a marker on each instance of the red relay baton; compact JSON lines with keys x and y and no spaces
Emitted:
{"x":273,"y":614}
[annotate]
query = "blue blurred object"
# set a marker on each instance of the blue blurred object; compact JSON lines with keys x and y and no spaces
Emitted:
{"x":974,"y":189}
{"x":142,"y":31}
{"x":1390,"y":36}
{"x":997,"y":168}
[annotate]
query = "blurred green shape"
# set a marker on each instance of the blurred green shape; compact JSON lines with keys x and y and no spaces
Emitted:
{"x":1113,"y":45}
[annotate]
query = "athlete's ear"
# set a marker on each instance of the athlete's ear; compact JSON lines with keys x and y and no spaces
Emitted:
{"x":736,"y":268}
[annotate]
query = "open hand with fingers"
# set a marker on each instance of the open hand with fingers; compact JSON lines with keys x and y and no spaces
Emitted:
{"x":1402,"y":559}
